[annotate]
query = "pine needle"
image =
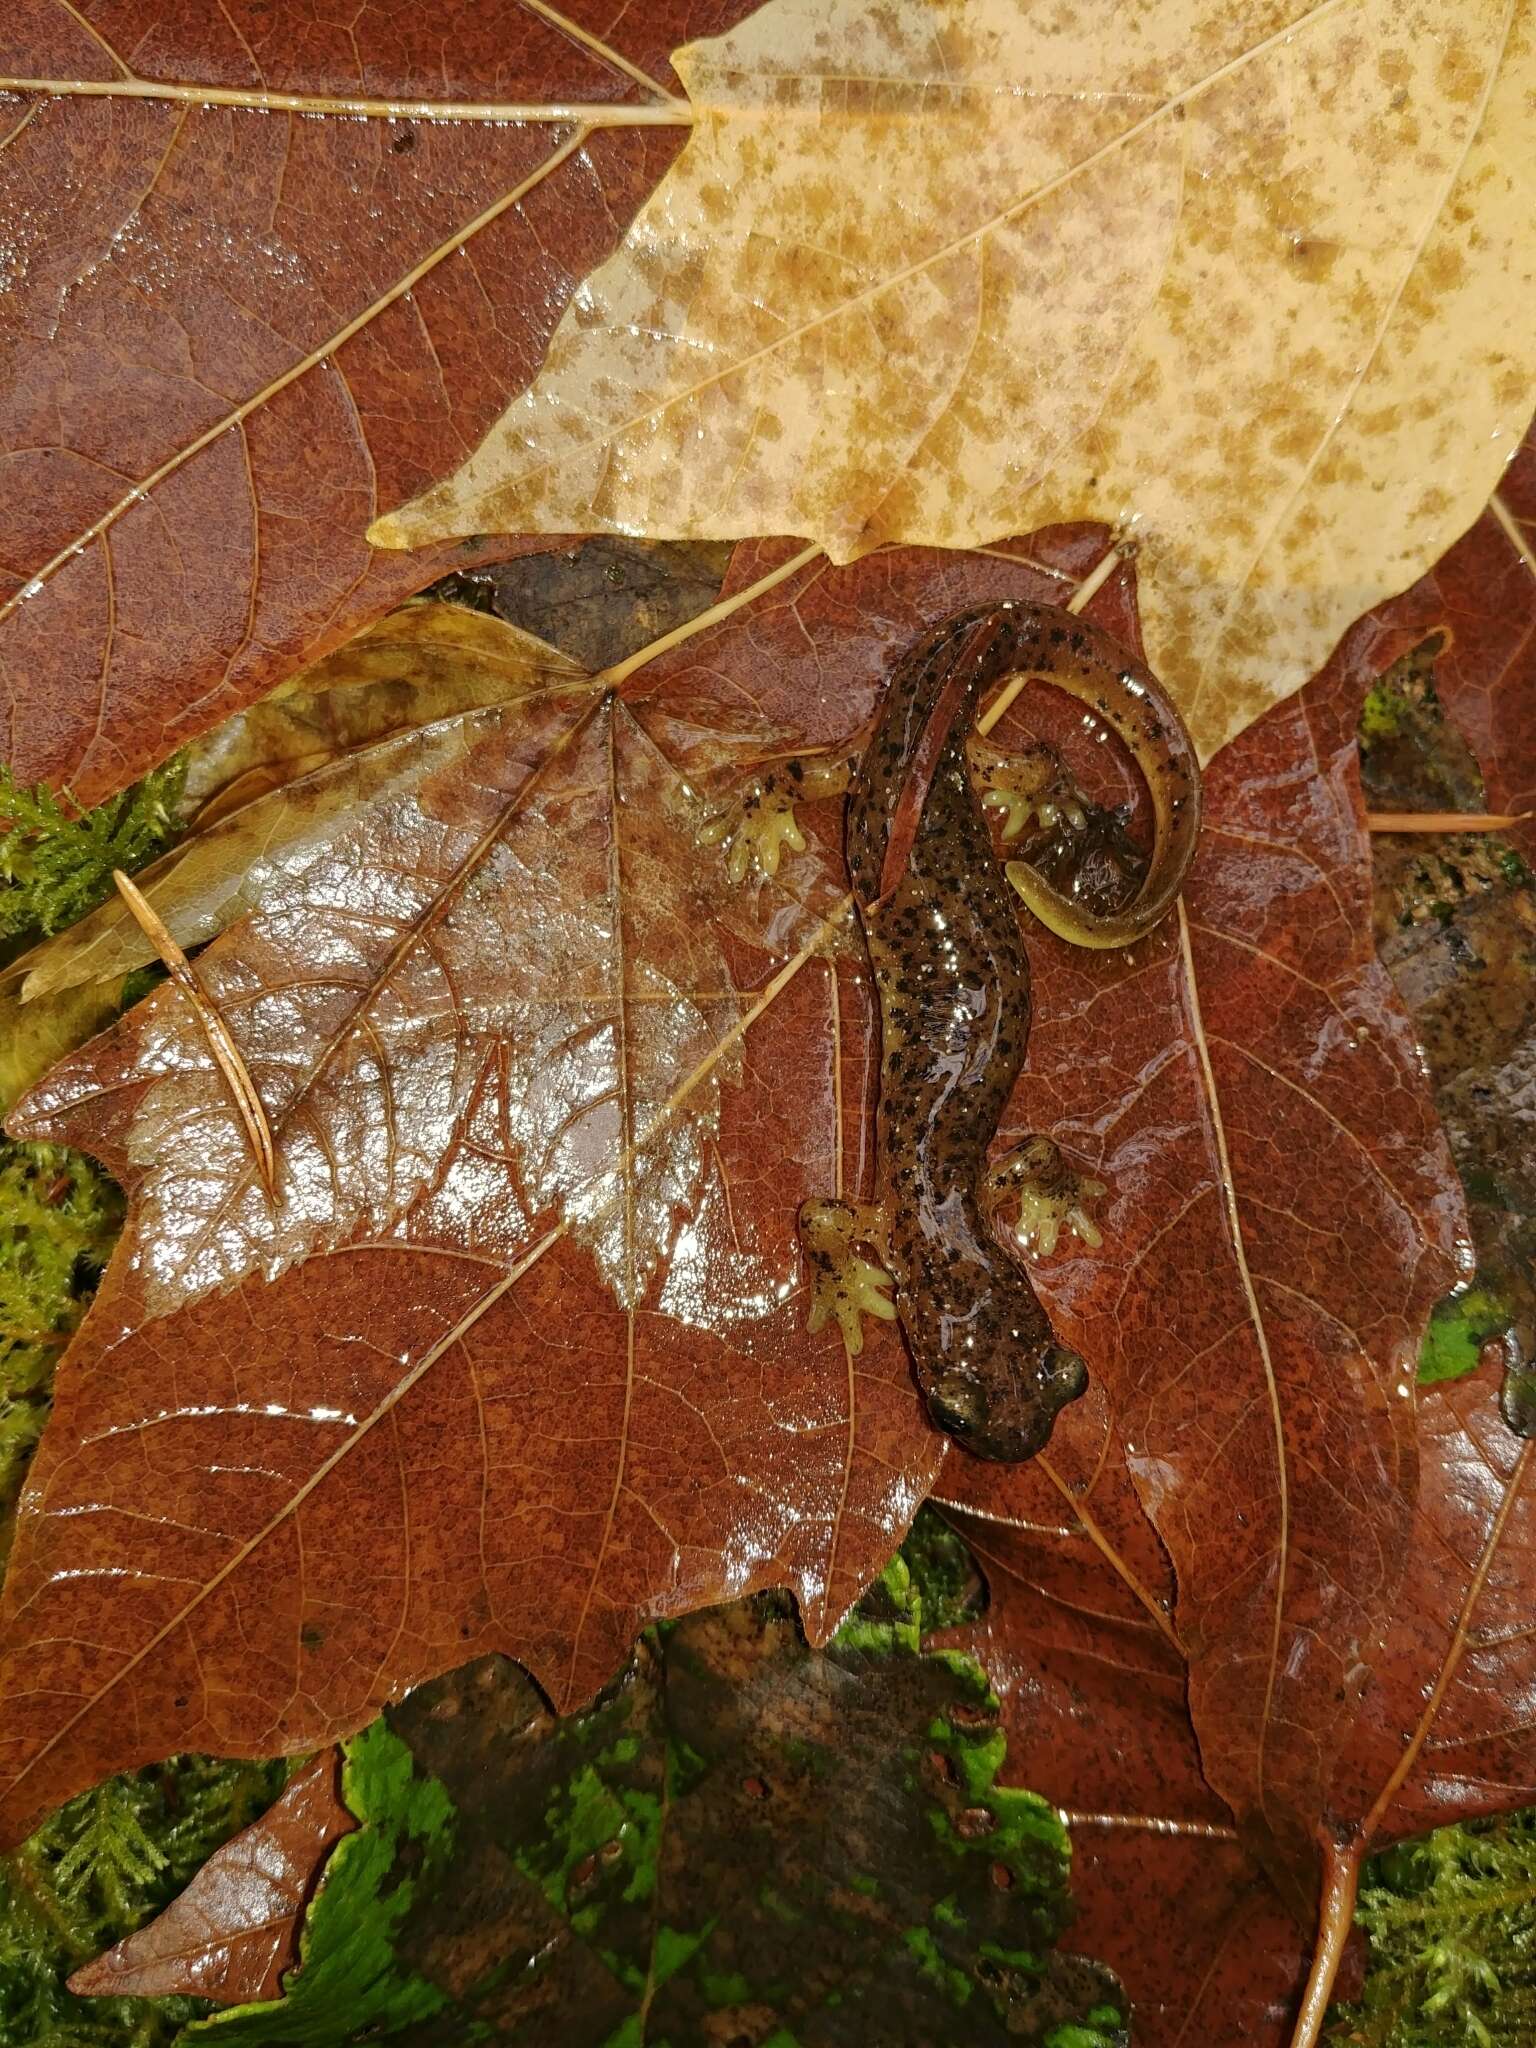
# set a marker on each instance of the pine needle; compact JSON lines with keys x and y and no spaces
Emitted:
{"x":1442,"y":821}
{"x":221,"y":1044}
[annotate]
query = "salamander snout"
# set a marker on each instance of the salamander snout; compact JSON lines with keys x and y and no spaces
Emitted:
{"x":1012,"y":1422}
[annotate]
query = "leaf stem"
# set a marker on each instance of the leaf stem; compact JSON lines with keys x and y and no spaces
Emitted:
{"x":1341,"y":1880}
{"x":1443,"y":821}
{"x":672,"y":113}
{"x":221,"y":1044}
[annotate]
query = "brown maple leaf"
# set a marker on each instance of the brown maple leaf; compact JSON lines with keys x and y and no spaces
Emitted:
{"x":266,"y":268}
{"x":573,"y":1261}
{"x":1109,"y":1711}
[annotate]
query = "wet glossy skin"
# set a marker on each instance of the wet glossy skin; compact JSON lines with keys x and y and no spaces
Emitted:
{"x":953,"y":977}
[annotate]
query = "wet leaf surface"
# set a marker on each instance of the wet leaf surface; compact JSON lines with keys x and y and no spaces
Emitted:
{"x":236,"y":331}
{"x":234,"y":1931}
{"x":220,"y":377}
{"x":743,"y":1839}
{"x":537,"y":1185}
{"x":1085,"y":1635}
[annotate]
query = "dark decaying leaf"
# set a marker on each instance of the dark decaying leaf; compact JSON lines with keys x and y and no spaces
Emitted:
{"x":235,"y":333}
{"x":234,"y":1931}
{"x":546,"y":1094}
{"x":742,"y":1840}
{"x":602,"y":599}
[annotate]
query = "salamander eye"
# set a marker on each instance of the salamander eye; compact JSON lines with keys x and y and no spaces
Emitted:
{"x":1065,"y":1376}
{"x":956,"y":1405}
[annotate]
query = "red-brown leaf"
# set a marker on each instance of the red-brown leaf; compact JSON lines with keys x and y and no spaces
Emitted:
{"x":1439,"y":1724}
{"x":1094,"y":1704}
{"x":462,"y":1424}
{"x":234,"y":334}
{"x":234,"y":1931}
{"x":1284,"y":1216}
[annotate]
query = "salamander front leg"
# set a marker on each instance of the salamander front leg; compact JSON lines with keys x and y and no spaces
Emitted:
{"x":845,"y":1285}
{"x":1045,"y":1195}
{"x":758,"y":821}
{"x":1031,"y":786}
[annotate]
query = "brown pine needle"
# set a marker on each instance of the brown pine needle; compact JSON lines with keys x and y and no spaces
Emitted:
{"x":1442,"y":821}
{"x":225,"y":1052}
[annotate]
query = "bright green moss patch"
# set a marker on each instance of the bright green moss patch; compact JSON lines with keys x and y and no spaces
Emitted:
{"x":1457,"y":1332}
{"x":97,"y":1870}
{"x":56,"y":861}
{"x":59,"y":1218}
{"x":1451,"y":1921}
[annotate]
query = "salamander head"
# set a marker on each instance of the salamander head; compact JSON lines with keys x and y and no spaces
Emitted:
{"x":1012,"y":1420}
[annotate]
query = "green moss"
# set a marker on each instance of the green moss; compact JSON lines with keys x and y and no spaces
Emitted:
{"x":1458,"y":1330}
{"x":1382,"y":713}
{"x":953,"y":1982}
{"x":1451,"y":1922}
{"x":1108,"y":2032}
{"x":59,"y":1218}
{"x":943,"y":1572}
{"x":98,"y":1869}
{"x":898,"y":1630}
{"x":56,"y":861}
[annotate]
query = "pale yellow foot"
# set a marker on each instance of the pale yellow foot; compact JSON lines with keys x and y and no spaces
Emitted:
{"x":758,"y":822}
{"x":845,"y":1285}
{"x":754,"y":828}
{"x":1041,"y":1196}
{"x":1032,"y":786}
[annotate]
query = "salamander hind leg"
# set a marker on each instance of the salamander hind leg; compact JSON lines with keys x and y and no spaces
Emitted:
{"x":845,"y":1285}
{"x":757,"y":822}
{"x":1030,"y":787}
{"x":1033,"y":1194}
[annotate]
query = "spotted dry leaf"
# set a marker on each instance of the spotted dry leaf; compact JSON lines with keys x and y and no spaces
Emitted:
{"x":267,"y":270}
{"x":1250,"y":279}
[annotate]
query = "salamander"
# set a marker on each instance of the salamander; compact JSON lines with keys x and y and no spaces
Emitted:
{"x":939,"y":915}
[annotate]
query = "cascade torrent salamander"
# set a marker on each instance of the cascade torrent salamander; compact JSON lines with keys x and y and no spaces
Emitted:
{"x":940,"y":919}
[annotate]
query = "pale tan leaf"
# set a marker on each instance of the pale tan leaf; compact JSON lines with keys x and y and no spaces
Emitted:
{"x":1251,"y":279}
